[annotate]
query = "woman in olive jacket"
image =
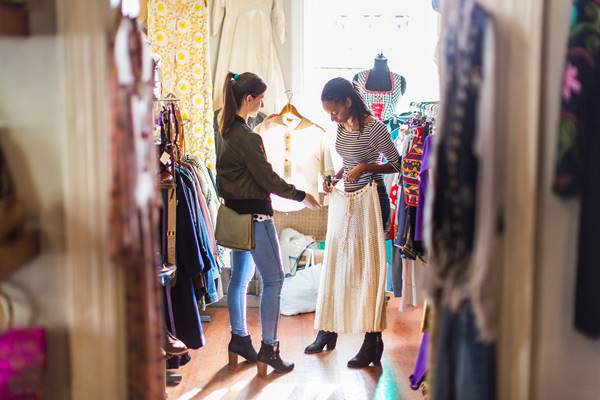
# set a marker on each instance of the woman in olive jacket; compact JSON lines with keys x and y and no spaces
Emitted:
{"x":246,"y":180}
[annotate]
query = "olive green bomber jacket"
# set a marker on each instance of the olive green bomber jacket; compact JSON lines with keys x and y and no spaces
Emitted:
{"x":245,"y":178}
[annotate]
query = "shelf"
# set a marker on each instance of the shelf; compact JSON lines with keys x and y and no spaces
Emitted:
{"x":14,"y":19}
{"x":17,"y":252}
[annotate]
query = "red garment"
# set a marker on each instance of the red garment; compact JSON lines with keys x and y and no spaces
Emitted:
{"x":394,"y":207}
{"x":411,"y":168}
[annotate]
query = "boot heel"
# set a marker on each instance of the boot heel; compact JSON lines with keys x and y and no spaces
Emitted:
{"x":233,"y":359}
{"x":331,"y":344}
{"x":261,"y":368}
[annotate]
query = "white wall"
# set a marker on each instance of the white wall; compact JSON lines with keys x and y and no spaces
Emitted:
{"x":32,"y":111}
{"x":567,"y":365}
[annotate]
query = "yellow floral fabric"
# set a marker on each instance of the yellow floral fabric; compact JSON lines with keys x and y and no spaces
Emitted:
{"x":178,"y":32}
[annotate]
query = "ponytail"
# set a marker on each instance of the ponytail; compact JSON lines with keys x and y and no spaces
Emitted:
{"x":235,"y":89}
{"x":338,"y":90}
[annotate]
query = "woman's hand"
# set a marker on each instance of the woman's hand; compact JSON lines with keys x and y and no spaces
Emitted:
{"x":310,"y":202}
{"x":356,"y":172}
{"x":327,"y":187}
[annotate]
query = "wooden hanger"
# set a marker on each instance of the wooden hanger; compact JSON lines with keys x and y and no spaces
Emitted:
{"x":289,"y":108}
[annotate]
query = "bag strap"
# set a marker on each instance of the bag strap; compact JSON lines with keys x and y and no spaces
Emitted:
{"x":295,"y":266}
{"x":172,"y":227}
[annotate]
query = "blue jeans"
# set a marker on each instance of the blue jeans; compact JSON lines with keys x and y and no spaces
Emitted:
{"x":465,"y":367}
{"x":267,"y":257}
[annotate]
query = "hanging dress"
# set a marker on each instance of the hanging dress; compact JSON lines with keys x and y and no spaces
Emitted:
{"x":248,"y":45}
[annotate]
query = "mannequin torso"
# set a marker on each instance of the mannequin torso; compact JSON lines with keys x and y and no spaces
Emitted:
{"x":380,"y":88}
{"x":379,"y":77}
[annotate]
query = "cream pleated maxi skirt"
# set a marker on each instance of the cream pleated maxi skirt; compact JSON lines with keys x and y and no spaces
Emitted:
{"x":352,"y":290}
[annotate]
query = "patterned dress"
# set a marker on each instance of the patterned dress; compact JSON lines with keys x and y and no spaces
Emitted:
{"x":381,"y":103}
{"x":178,"y":32}
{"x":578,"y":164}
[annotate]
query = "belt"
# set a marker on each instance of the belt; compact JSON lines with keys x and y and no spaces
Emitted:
{"x":261,"y":217}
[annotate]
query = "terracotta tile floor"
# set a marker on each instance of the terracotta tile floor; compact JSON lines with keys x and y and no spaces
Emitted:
{"x":319,"y":377}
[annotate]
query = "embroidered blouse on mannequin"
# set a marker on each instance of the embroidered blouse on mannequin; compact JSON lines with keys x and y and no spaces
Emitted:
{"x":380,"y":88}
{"x":247,"y":44}
{"x":298,"y":151}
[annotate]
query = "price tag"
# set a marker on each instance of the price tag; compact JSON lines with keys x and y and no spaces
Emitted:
{"x":165,"y":158}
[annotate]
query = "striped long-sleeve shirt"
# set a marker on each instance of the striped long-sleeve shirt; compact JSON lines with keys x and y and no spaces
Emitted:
{"x":365,"y":146}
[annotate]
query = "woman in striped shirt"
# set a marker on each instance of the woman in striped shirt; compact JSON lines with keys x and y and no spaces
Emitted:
{"x":361,"y":141}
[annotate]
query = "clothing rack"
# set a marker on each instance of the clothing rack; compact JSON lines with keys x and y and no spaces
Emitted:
{"x":191,"y":257}
{"x":427,"y":108}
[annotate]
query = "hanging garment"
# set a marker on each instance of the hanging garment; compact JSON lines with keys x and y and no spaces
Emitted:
{"x":352,"y":291}
{"x":210,"y":270}
{"x":411,"y":167}
{"x":465,"y":366}
{"x":133,"y":208}
{"x":247,"y":45}
{"x":209,"y":191}
{"x":578,"y":164}
{"x":298,"y":152}
{"x":381,"y":103}
{"x":206,"y":215}
{"x":423,"y":186}
{"x":185,"y":294}
{"x":178,"y":32}
{"x":395,"y":208}
{"x":466,"y":207}
{"x":420,"y":371}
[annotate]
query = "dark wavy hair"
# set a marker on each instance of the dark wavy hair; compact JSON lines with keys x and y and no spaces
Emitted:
{"x":338,"y":90}
{"x":234,"y":91}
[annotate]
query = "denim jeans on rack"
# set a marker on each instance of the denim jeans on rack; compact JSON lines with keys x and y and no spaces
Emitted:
{"x":465,"y":366}
{"x":267,"y":258}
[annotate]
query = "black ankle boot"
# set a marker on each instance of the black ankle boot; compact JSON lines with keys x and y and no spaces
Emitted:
{"x":241,"y":345}
{"x":269,"y":355}
{"x":370,"y":351}
{"x":324,"y":338}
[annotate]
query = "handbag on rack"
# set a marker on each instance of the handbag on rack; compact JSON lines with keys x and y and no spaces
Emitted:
{"x":234,"y":231}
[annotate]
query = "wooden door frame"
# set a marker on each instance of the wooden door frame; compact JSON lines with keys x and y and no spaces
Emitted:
{"x":520,"y":39}
{"x":96,"y":294}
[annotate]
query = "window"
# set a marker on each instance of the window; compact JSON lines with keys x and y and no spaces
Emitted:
{"x":342,"y":38}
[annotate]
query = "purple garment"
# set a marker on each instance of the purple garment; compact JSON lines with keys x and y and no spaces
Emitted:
{"x":23,"y":363}
{"x":418,"y":375}
{"x":423,"y":184}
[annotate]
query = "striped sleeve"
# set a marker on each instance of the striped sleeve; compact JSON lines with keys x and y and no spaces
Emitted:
{"x":382,"y":141}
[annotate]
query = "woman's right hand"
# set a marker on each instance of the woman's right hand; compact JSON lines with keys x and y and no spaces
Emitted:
{"x":310,"y":202}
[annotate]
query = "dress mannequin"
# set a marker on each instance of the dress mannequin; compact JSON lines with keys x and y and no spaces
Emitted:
{"x":379,"y":88}
{"x":379,"y":78}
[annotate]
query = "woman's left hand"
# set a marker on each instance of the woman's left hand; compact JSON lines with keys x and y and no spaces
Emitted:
{"x":357,"y":172}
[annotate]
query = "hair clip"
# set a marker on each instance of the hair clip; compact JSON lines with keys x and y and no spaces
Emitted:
{"x":235,"y":77}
